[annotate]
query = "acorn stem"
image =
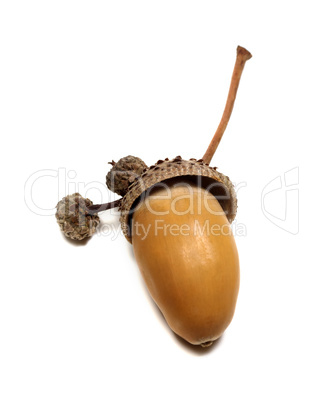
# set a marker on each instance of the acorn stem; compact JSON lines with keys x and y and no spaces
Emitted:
{"x":242,"y":56}
{"x":94,"y":209}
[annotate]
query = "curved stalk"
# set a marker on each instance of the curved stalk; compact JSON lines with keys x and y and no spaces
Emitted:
{"x":242,"y":56}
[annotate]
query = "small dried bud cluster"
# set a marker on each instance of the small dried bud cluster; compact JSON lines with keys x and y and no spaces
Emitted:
{"x":74,"y":218}
{"x":123,"y":174}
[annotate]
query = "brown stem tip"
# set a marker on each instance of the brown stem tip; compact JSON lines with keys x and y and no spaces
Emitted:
{"x":242,"y":56}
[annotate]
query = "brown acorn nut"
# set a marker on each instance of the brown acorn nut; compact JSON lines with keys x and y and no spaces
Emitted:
{"x":193,"y":276}
{"x":188,"y":259}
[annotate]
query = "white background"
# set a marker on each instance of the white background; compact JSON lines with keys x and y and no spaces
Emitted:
{"x":83,"y":83}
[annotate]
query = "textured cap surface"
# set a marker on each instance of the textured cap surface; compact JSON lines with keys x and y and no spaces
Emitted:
{"x":123,"y":173}
{"x":208,"y":177}
{"x":74,"y":219}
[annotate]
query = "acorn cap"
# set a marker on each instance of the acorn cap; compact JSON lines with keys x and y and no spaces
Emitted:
{"x":208,"y":177}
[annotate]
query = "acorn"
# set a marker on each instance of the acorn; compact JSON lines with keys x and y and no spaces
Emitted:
{"x":188,"y":258}
{"x":177,"y":215}
{"x":193,"y":276}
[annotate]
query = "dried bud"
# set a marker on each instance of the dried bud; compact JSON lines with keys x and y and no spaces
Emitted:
{"x":123,"y":173}
{"x":74,"y":219}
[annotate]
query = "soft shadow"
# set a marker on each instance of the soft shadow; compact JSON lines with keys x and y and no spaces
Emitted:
{"x":197,"y":349}
{"x":76,"y":243}
{"x":130,"y":251}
